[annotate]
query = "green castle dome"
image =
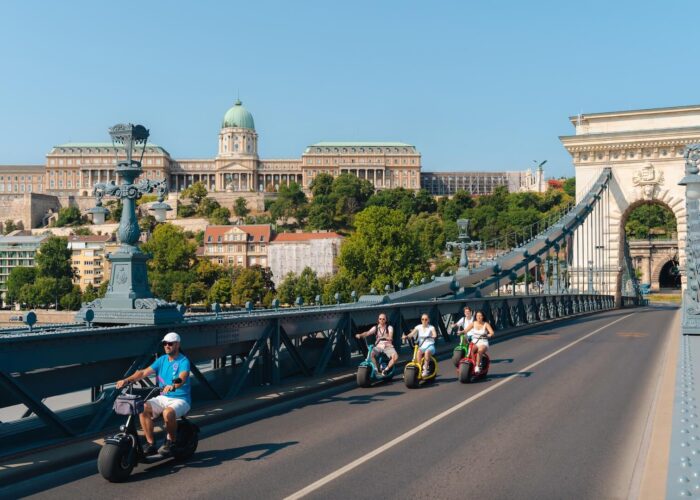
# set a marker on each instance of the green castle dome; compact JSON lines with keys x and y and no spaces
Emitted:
{"x":238,"y":116}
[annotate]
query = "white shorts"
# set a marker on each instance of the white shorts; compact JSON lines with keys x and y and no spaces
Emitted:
{"x":160,"y":403}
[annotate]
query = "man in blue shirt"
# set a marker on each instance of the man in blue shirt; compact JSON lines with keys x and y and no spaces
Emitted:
{"x":173,"y":374}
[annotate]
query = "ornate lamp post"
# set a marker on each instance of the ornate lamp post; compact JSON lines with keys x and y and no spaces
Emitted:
{"x":691,"y":294}
{"x":464,"y":244}
{"x":128,"y":298}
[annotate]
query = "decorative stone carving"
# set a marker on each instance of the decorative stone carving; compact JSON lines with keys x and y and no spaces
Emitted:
{"x":648,"y":180}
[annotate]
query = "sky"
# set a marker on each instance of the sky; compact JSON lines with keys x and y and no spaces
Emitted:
{"x":473,"y":85}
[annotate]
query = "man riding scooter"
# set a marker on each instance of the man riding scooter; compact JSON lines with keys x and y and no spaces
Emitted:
{"x":172,"y":371}
{"x":383,"y":343}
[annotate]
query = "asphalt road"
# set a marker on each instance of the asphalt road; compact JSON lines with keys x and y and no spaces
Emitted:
{"x":561,"y":415}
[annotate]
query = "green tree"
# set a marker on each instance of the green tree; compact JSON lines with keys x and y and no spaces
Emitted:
{"x":54,"y":258}
{"x":9,"y":226}
{"x":220,"y":216}
{"x":570,"y":186}
{"x":650,"y":219}
{"x":102,"y":289}
{"x":115,"y":208}
{"x":381,"y":250}
{"x":82,"y":231}
{"x":321,"y":185}
{"x":195,"y":193}
{"x":197,"y":292}
{"x":68,"y":216}
{"x":207,"y":207}
{"x":185,"y":211}
{"x":308,"y":286}
{"x":429,"y":232}
{"x":72,"y":300}
{"x":291,"y":202}
{"x":19,"y":276}
{"x":240,"y":207}
{"x":287,"y":289}
{"x":220,"y":291}
{"x":90,"y":293}
{"x":171,"y":250}
{"x":249,"y":285}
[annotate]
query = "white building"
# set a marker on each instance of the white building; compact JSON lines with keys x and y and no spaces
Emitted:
{"x":292,"y":252}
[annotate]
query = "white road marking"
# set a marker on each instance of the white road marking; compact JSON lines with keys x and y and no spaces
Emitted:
{"x":415,"y":430}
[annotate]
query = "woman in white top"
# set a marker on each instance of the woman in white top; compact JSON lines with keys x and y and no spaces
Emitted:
{"x":465,"y":321}
{"x":425,"y":336}
{"x":479,"y":332}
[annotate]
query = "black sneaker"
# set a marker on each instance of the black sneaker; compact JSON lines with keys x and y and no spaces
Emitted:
{"x":150,"y":449}
{"x":165,"y":449}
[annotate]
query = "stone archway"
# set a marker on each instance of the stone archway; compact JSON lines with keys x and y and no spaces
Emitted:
{"x":644,"y":150}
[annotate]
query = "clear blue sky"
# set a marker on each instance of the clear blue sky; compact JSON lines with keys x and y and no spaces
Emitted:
{"x":474,"y":85}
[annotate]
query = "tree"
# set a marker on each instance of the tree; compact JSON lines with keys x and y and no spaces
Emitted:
{"x":195,"y":193}
{"x":308,"y":286}
{"x":68,"y":216}
{"x":287,"y":290}
{"x":570,"y":186}
{"x":221,"y":291}
{"x":9,"y":226}
{"x":251,"y":284}
{"x":220,"y":216}
{"x":19,"y":276}
{"x":429,"y":232}
{"x":197,"y":292}
{"x":115,"y":208}
{"x":72,"y":300}
{"x":207,"y":206}
{"x":54,"y":258}
{"x":82,"y":231}
{"x":650,"y":219}
{"x":90,"y":293}
{"x":291,"y":202}
{"x":381,"y":250}
{"x":321,"y":185}
{"x":240,"y":207}
{"x":185,"y":211}
{"x":171,"y":250}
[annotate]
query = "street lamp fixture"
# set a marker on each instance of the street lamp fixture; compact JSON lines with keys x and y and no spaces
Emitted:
{"x":691,"y":295}
{"x":465,"y":243}
{"x":128,"y":299}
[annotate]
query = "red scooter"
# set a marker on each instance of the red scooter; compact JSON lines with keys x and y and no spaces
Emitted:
{"x":466,"y":367}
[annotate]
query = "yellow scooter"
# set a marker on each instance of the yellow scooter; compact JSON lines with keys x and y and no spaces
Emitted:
{"x":413,"y":372}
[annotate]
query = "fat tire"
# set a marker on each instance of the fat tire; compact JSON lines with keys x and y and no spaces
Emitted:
{"x":111,"y":462}
{"x":410,"y":377}
{"x":363,"y":376}
{"x":457,"y":356}
{"x":465,"y":372}
{"x":188,"y":450}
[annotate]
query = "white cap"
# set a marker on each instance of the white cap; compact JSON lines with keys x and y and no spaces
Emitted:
{"x":171,"y":337}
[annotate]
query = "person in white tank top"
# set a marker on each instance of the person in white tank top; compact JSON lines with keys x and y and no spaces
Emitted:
{"x":479,"y":332}
{"x":425,"y":336}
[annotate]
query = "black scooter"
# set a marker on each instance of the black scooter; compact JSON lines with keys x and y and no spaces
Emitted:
{"x":122,"y":451}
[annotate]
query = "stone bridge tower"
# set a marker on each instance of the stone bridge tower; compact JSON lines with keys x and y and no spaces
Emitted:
{"x":644,"y":148}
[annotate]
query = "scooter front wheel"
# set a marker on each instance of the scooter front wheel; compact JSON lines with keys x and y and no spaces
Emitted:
{"x":410,"y":376}
{"x":465,"y":372}
{"x":115,"y":462}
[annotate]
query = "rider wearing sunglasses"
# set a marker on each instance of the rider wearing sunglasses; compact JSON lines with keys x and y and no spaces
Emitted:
{"x":172,"y":371}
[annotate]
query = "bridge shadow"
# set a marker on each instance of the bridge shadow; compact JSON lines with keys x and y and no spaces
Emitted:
{"x":212,"y":458}
{"x":362,"y":399}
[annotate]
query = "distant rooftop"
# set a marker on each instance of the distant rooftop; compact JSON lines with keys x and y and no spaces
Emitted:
{"x":150,"y":147}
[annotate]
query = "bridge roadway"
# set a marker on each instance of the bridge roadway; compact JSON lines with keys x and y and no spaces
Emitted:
{"x":561,"y":415}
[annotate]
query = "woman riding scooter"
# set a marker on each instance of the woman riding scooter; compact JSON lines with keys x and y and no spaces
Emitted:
{"x":479,"y":331}
{"x":426,"y":335}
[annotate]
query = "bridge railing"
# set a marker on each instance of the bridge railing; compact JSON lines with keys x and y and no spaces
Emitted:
{"x":229,"y":351}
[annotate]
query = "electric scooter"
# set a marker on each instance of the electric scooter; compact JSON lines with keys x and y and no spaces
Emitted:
{"x":467,"y":366}
{"x":122,"y":451}
{"x":413,"y":372}
{"x":367,"y":373}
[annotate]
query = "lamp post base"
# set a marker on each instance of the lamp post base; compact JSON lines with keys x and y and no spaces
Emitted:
{"x":128,"y":299}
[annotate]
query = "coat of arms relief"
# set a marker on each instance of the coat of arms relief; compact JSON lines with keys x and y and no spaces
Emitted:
{"x":648,"y":181}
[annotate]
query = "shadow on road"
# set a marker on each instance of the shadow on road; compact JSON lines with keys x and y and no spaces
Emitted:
{"x":504,"y":360}
{"x":506,"y":375}
{"x":358,"y":400}
{"x":212,"y":458}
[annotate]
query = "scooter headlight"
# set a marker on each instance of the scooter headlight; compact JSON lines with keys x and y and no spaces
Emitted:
{"x":122,"y":428}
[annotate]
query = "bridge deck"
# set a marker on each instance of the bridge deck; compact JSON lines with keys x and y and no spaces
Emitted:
{"x":562,"y":415}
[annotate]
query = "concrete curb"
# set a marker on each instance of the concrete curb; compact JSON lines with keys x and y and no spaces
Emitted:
{"x":29,"y":464}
